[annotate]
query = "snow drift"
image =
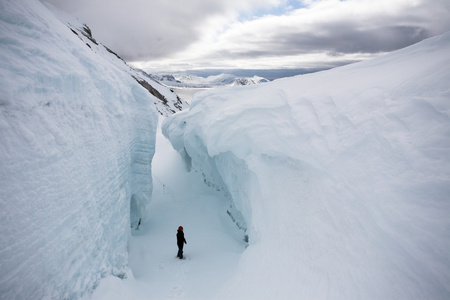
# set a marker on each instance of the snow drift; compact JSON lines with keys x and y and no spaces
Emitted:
{"x":342,"y":177}
{"x":77,"y":136}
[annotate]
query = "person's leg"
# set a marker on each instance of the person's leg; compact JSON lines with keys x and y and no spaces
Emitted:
{"x":181,"y":251}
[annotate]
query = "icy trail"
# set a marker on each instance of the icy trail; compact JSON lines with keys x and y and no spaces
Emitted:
{"x":214,"y":242}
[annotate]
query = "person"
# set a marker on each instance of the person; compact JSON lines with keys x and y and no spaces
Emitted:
{"x":180,"y":242}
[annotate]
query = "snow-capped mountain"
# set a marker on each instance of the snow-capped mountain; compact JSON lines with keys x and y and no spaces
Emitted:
{"x":249,"y":80}
{"x":168,"y":102}
{"x":193,"y":81}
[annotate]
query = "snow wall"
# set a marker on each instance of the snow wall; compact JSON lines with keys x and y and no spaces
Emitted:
{"x":77,"y":136}
{"x":343,"y":177}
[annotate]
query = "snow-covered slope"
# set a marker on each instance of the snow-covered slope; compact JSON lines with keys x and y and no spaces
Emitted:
{"x":166,"y":102}
{"x":77,"y":136}
{"x":342,"y":177}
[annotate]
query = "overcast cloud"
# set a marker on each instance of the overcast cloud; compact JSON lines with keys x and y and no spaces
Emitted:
{"x":174,"y":35}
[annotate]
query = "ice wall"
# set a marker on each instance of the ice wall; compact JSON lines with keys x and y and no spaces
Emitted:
{"x":343,"y":177}
{"x":77,"y":137}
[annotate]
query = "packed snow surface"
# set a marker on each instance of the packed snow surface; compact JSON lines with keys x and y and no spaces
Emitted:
{"x":214,"y":243}
{"x":342,"y":177}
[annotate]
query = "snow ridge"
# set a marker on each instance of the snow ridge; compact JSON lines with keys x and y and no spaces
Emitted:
{"x":341,"y":176}
{"x":167,"y":102}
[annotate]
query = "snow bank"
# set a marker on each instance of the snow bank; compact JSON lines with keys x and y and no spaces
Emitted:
{"x":77,"y":138}
{"x":343,"y":177}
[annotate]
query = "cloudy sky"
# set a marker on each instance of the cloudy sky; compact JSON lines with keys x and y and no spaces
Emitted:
{"x":177,"y":35}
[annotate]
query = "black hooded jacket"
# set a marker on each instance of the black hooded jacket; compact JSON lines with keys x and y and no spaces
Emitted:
{"x":180,"y":238}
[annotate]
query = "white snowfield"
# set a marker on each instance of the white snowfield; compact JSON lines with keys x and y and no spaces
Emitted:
{"x":342,"y":177}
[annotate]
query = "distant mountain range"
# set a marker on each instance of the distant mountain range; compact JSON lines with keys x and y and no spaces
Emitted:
{"x":193,"y":81}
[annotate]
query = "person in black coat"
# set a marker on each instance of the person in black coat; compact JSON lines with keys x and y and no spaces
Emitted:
{"x":180,"y":242}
